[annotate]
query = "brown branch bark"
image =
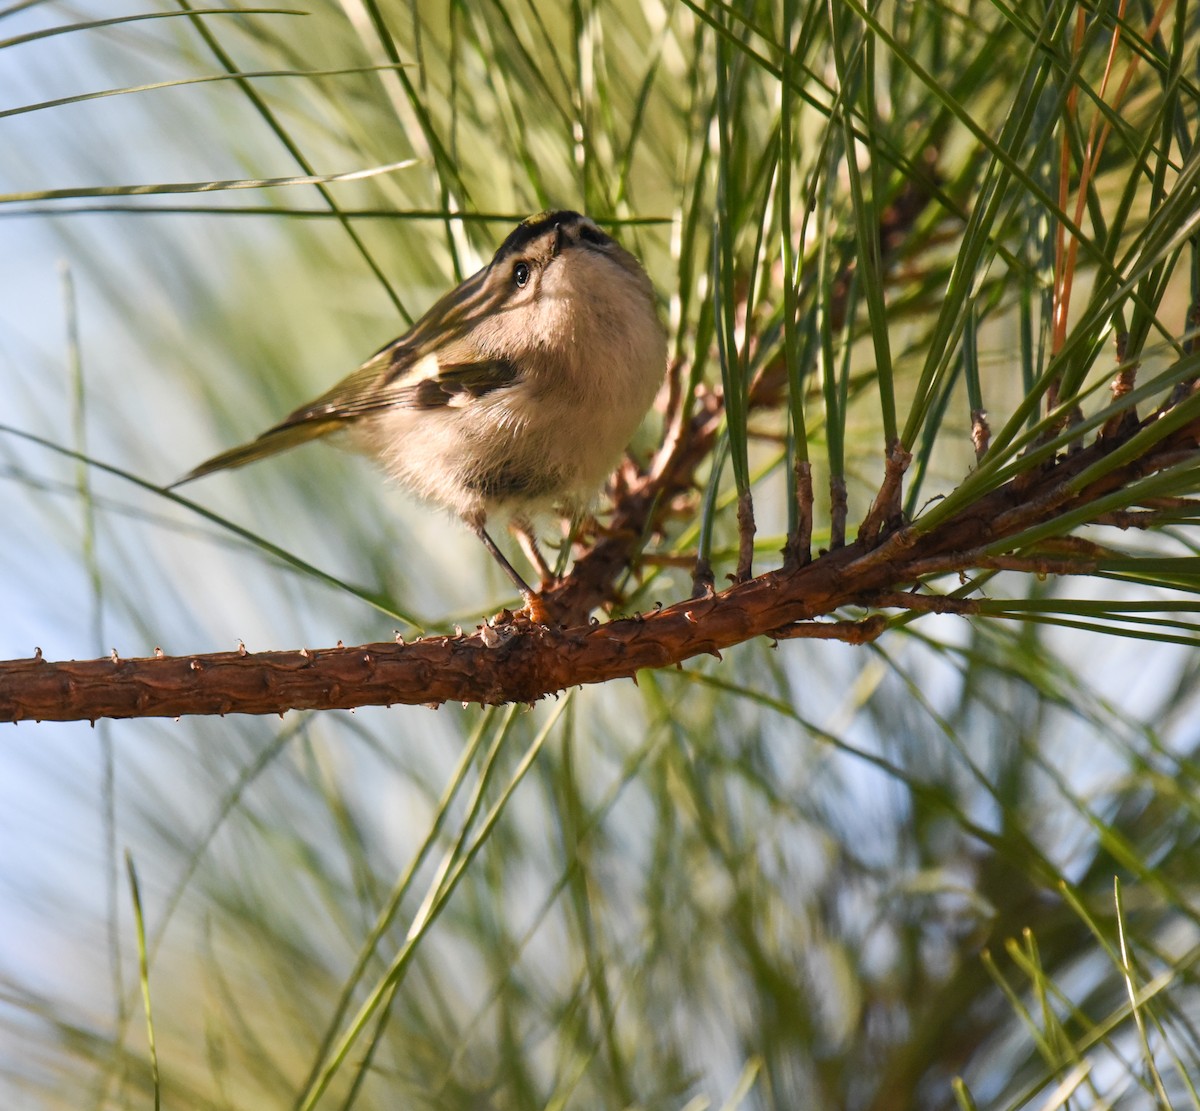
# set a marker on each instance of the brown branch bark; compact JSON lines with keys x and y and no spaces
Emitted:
{"x":515,"y":662}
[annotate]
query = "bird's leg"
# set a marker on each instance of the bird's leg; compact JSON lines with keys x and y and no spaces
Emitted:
{"x":502,"y":559}
{"x":533,"y":603}
{"x":525,"y":537}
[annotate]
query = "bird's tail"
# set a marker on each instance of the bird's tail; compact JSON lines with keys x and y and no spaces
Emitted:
{"x":283,"y":436}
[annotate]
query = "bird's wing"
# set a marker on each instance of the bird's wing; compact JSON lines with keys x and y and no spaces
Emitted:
{"x":395,"y":377}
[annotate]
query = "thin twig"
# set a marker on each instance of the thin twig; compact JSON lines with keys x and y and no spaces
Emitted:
{"x":837,"y":512}
{"x":885,"y":510}
{"x":798,"y":549}
{"x":745,"y":520}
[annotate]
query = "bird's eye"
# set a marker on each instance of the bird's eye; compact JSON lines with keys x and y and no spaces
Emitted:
{"x":521,"y":274}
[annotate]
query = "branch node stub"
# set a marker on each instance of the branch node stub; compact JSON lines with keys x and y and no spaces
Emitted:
{"x":495,"y":637}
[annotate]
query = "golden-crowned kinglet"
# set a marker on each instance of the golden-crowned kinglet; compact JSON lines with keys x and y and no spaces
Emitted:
{"x":515,"y":393}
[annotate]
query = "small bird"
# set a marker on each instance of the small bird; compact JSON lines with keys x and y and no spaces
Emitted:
{"x":514,"y":394}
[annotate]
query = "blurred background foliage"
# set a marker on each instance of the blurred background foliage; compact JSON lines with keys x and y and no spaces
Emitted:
{"x":955,"y":868}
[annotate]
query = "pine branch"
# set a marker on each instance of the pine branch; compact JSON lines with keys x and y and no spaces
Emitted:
{"x":512,"y":661}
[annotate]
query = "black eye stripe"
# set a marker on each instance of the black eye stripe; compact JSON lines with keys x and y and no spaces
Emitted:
{"x":521,"y":274}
